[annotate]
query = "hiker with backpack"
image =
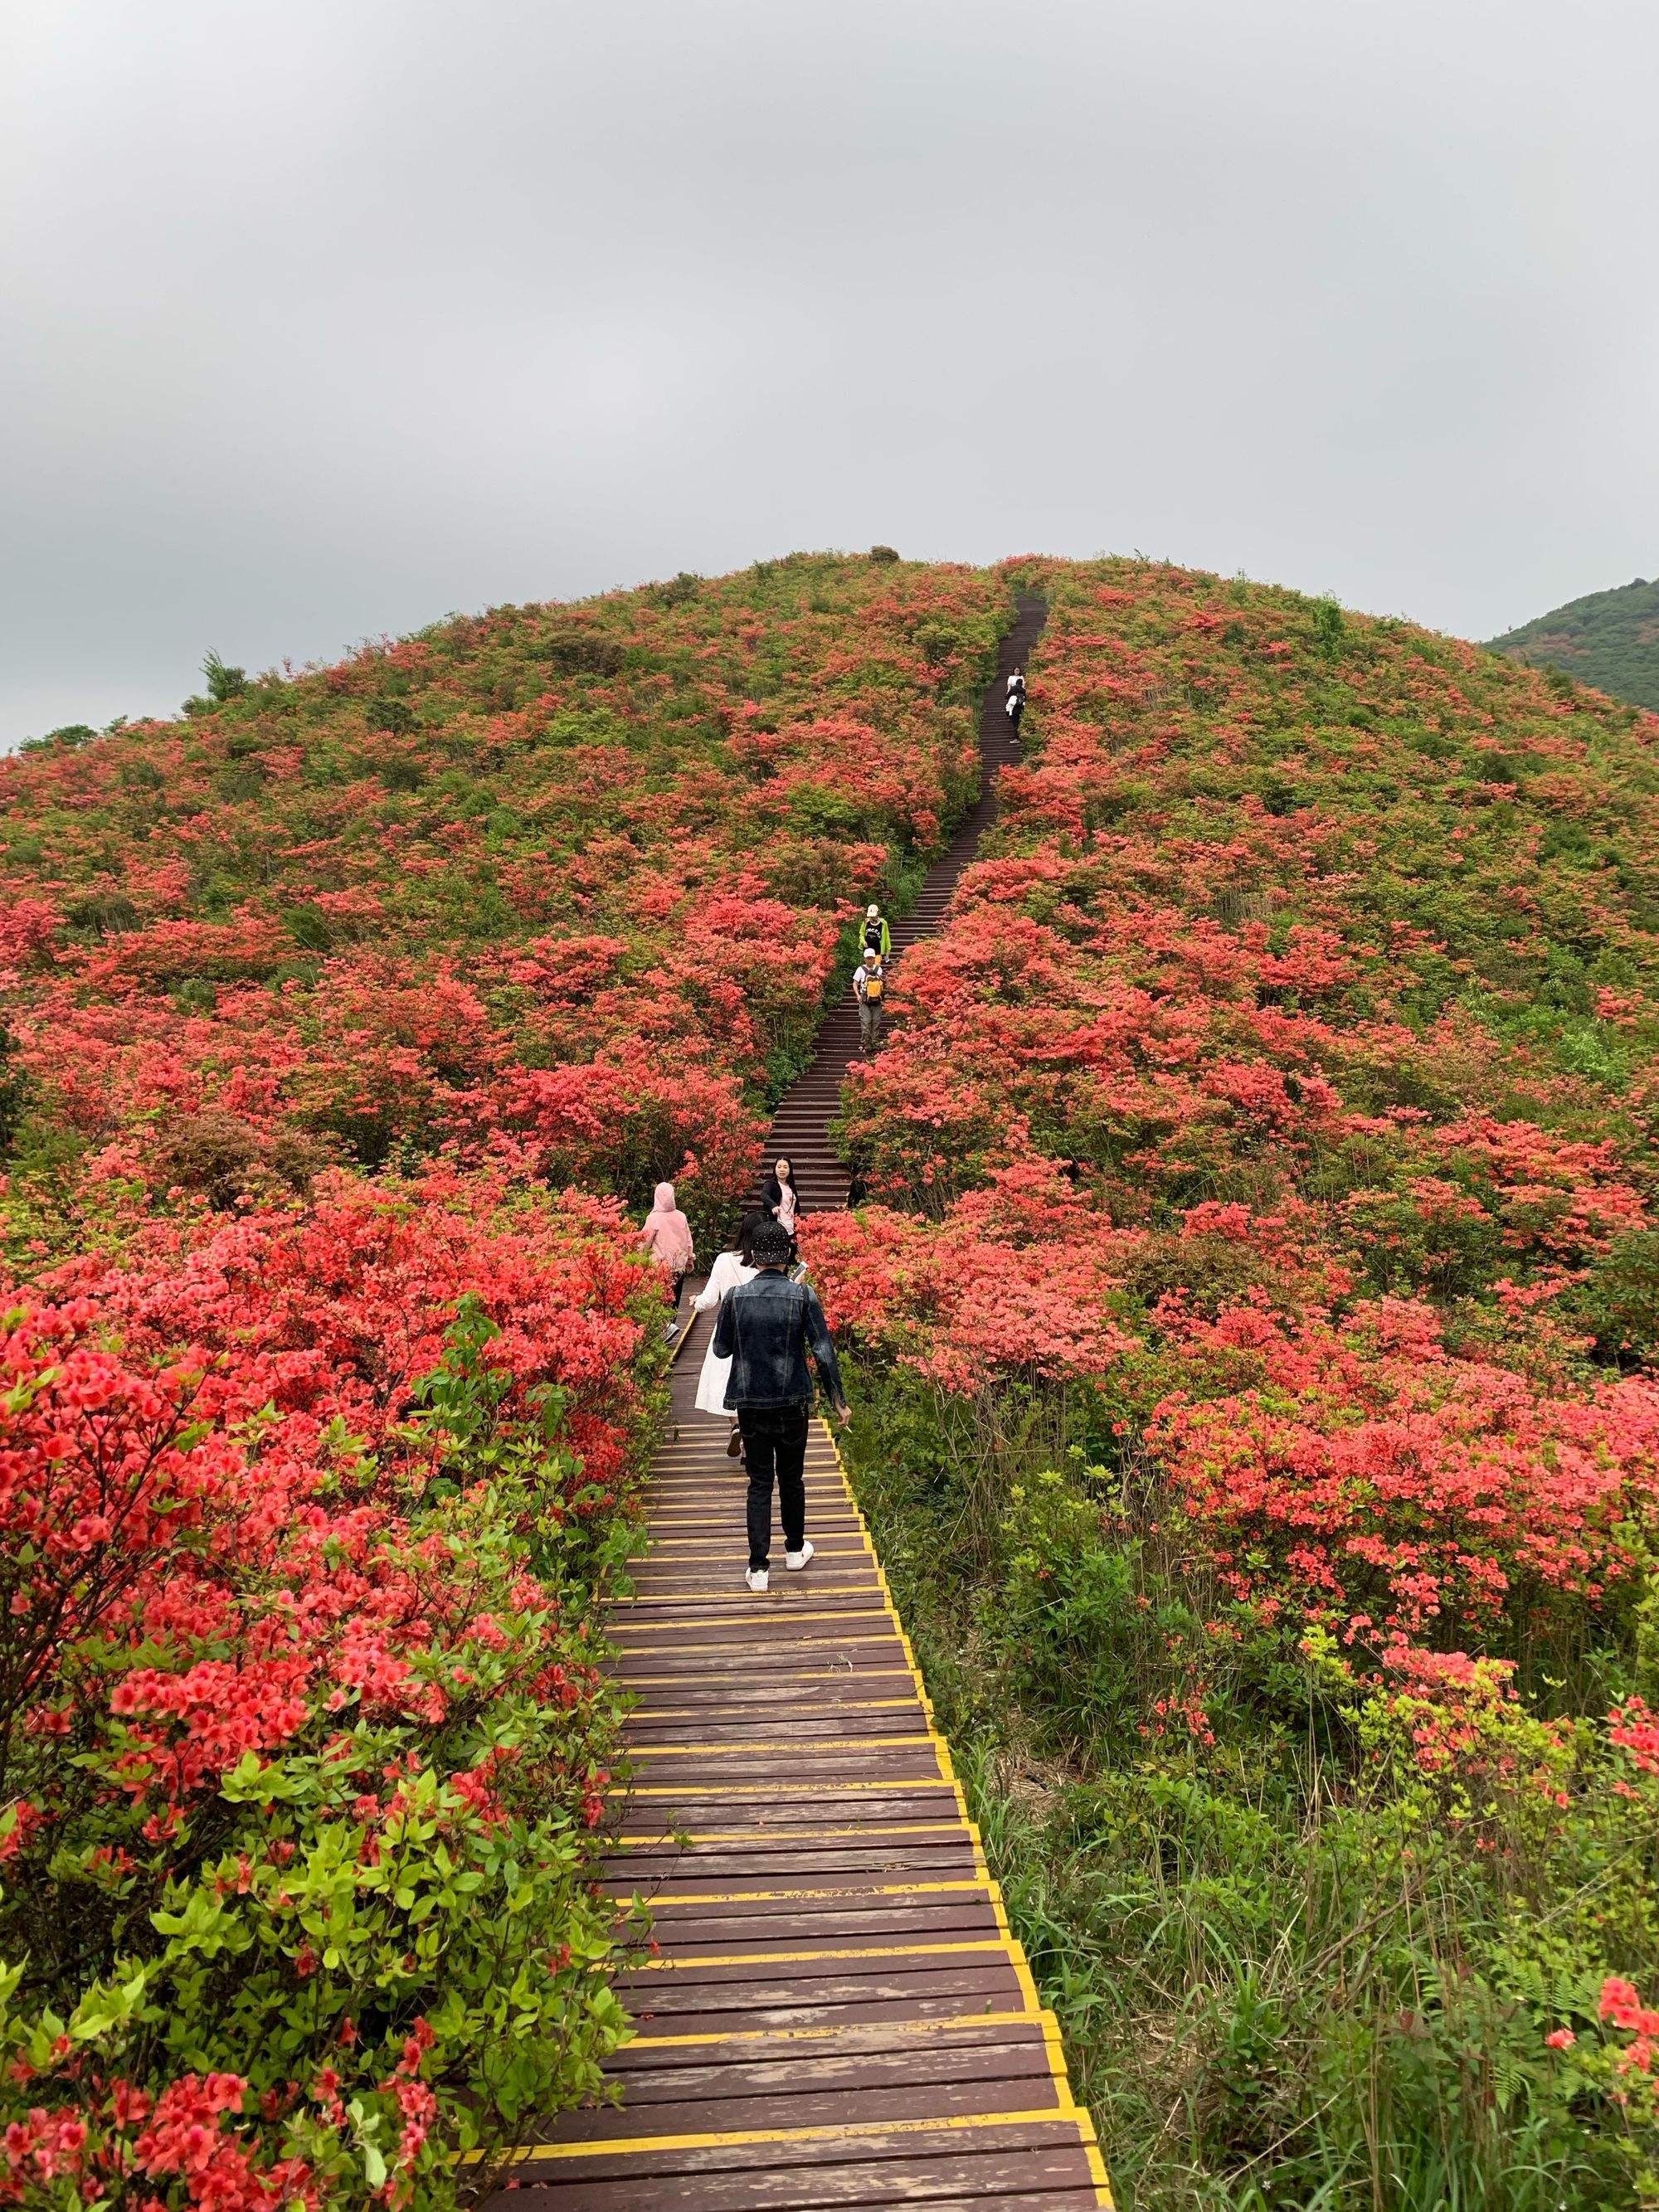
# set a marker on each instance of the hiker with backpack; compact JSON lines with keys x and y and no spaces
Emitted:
{"x":876,"y":937}
{"x":1015,"y":709}
{"x":768,"y":1327}
{"x":869,"y":988}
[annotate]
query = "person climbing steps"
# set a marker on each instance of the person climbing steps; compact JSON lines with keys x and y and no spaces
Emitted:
{"x":869,"y":988}
{"x":766,"y":1329}
{"x":730,"y":1269}
{"x":666,"y":1236}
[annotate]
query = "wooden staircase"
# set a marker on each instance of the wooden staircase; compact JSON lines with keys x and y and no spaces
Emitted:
{"x":800,"y":1128}
{"x":839,"y":2016}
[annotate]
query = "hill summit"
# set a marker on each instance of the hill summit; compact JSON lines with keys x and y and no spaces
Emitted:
{"x":1609,"y":639}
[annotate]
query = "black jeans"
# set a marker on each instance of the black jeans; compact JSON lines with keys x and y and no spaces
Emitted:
{"x":774,"y":1442}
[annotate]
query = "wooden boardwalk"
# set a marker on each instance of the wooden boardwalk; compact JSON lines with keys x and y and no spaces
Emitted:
{"x":838,"y":2015}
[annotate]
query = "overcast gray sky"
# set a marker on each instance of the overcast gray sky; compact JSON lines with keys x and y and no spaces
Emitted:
{"x":327,"y":317}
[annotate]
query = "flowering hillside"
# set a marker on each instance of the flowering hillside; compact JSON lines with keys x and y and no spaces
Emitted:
{"x":561,"y":884}
{"x":341,"y":1021}
{"x":1270,"y":1144}
{"x":1254,"y":1302}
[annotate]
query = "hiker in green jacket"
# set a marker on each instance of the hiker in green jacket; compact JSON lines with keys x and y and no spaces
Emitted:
{"x":876,"y":937}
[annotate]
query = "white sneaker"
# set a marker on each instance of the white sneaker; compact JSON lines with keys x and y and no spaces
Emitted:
{"x":759,"y":1579}
{"x":798,"y":1559}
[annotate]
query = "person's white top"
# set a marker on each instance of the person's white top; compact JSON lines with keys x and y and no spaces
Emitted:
{"x":1016,"y":700}
{"x":1015,"y":682}
{"x":727,"y":1272}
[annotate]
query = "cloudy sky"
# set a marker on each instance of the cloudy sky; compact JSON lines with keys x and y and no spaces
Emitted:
{"x":326,"y":317}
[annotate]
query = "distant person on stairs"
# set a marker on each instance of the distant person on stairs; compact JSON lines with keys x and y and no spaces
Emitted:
{"x":1014,"y":709}
{"x":870,"y":989}
{"x":666,"y":1236}
{"x":730,"y":1269}
{"x":766,"y":1329}
{"x":783,"y":1198}
{"x":875,"y":936}
{"x":1017,"y":683}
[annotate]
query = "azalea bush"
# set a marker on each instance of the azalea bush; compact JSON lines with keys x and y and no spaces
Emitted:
{"x":304,"y":1731}
{"x":1252,"y":1303}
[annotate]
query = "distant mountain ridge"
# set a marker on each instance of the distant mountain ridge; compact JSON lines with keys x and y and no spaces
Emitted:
{"x":1609,"y":639}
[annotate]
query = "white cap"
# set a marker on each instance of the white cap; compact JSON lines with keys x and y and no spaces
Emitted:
{"x":871,"y":912}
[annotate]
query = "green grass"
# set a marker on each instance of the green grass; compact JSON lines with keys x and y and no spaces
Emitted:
{"x":1282,"y":1988}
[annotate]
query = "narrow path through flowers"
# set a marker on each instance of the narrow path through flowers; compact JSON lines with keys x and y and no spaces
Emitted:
{"x":838,"y":2014}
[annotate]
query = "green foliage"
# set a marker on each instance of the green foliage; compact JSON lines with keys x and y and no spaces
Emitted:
{"x":14,"y":1090}
{"x":68,"y":738}
{"x":1609,"y":639}
{"x":309,"y":926}
{"x":1329,"y":628}
{"x":397,"y":718}
{"x":224,"y":682}
{"x":1295,"y":1966}
{"x":1618,"y":1301}
{"x":107,"y":914}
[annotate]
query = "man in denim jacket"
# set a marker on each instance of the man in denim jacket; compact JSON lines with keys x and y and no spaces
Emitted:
{"x":766,"y":1329}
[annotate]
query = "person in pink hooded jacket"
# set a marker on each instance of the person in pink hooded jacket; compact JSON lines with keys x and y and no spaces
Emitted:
{"x":666,"y":1236}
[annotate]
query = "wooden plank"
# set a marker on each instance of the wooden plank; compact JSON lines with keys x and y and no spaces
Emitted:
{"x":954,"y":2157}
{"x":1059,"y":2199}
{"x":761,"y":1936}
{"x":685,"y":1704}
{"x":670,"y":1874}
{"x":886,"y":1722}
{"x":864,"y":2004}
{"x":814,"y":2096}
{"x":791,"y":1887}
{"x":796,"y":1995}
{"x":773,"y":1820}
{"x":834,"y":1760}
{"x":838,"y":2038}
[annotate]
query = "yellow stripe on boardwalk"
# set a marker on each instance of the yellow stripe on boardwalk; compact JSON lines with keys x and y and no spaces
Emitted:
{"x":974,"y":1888}
{"x":682,"y":1959}
{"x":741,"y":2137}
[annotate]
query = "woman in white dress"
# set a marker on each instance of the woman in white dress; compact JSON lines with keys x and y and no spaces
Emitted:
{"x":729,"y":1269}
